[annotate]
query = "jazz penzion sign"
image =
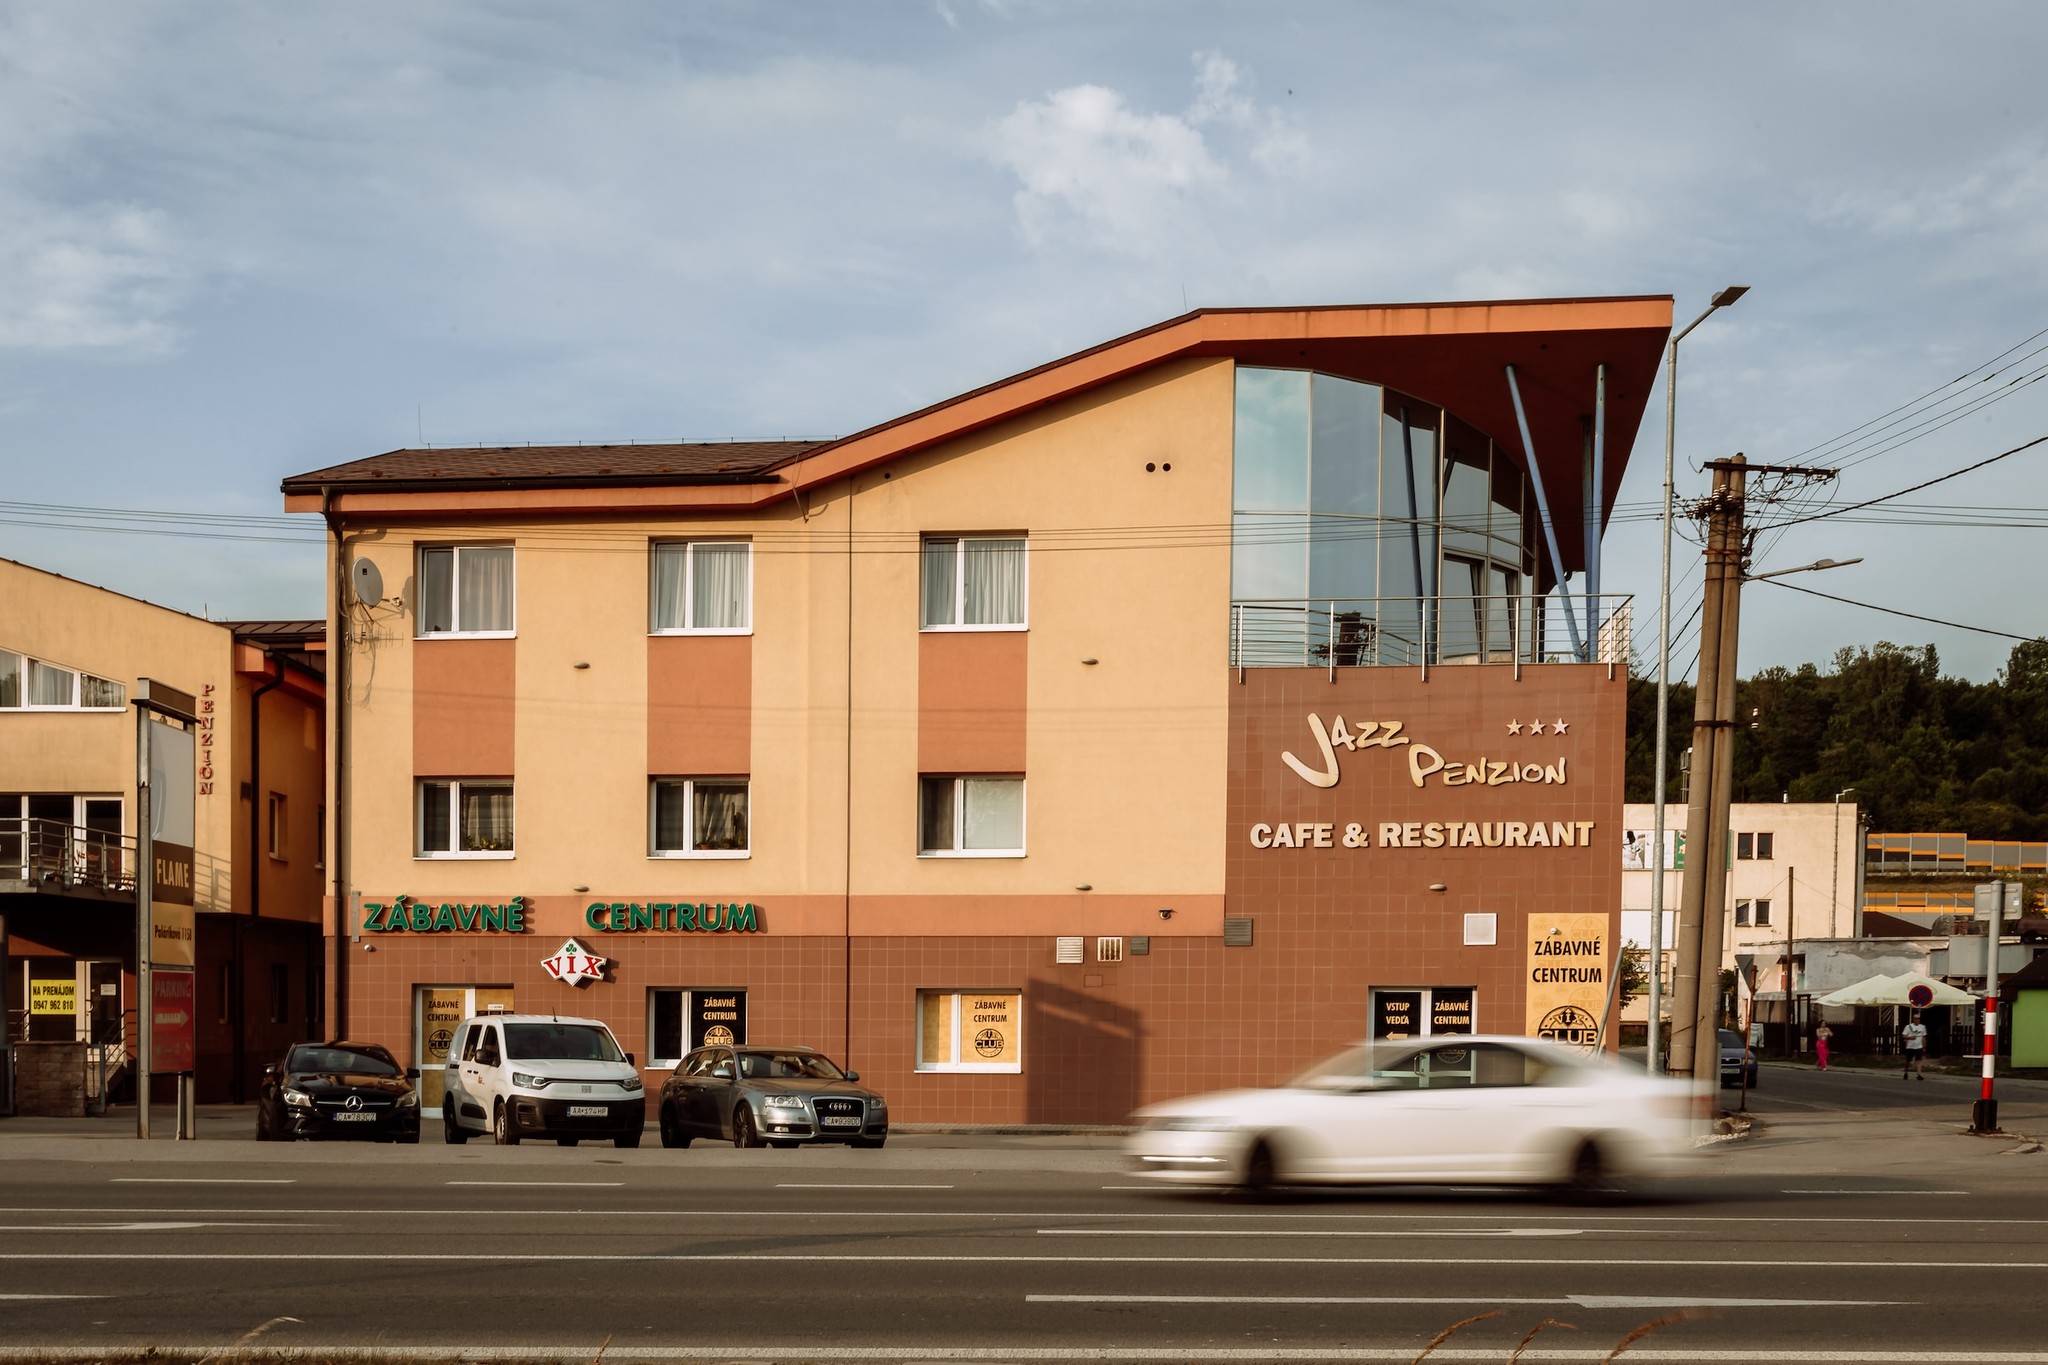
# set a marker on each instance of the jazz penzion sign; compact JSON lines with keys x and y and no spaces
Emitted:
{"x":405,"y":915}
{"x":1426,"y":769}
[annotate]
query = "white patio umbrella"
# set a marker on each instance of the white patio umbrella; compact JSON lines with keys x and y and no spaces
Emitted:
{"x":1896,"y":990}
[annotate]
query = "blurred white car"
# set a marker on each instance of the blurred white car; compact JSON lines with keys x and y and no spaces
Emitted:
{"x":1464,"y":1110}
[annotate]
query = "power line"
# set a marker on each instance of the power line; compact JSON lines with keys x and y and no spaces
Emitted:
{"x":1894,"y":611}
{"x":1872,"y":502}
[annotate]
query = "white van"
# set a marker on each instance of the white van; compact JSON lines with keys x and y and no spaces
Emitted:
{"x":541,"y":1075}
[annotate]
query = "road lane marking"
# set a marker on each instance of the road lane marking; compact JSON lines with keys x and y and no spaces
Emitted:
{"x":144,"y":1227}
{"x":722,"y":1258}
{"x":27,"y":1298}
{"x":862,"y":1187}
{"x":196,"y":1180}
{"x":1628,"y":1301}
{"x":540,"y":1184}
{"x":1311,"y":1232}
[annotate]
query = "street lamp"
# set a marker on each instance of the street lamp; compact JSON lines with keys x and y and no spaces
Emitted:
{"x":1720,"y":300}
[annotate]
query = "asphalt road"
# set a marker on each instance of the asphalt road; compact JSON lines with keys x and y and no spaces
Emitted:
{"x":1859,"y":1226}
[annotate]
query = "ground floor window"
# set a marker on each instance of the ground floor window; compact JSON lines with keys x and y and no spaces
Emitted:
{"x":682,"y":1019}
{"x":1422,"y":1011}
{"x":970,"y":1030}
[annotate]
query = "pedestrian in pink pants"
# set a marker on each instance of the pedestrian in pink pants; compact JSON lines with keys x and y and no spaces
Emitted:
{"x":1820,"y":1044}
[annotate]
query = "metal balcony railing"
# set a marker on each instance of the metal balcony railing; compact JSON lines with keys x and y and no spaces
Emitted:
{"x":1366,"y":632}
{"x":58,"y":855}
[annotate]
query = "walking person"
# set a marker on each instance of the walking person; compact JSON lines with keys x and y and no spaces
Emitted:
{"x":1914,"y":1036}
{"x":1821,"y":1036}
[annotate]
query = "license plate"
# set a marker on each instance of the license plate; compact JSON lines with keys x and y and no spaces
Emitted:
{"x":355,"y":1116}
{"x":588,"y":1111}
{"x":842,"y":1123}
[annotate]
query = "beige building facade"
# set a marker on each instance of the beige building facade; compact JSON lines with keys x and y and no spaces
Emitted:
{"x":72,"y":657}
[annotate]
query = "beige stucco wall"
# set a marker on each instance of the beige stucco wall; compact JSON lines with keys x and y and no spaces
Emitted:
{"x":90,"y":629}
{"x":1126,"y":757}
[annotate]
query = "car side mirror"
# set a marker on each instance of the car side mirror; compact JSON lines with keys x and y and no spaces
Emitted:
{"x":629,"y":1060}
{"x":853,"y":1075}
{"x":412,"y":1073}
{"x":269,"y":1072}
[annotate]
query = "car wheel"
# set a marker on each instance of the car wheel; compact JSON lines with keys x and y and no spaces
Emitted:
{"x":263,"y":1133}
{"x":504,"y":1128}
{"x":743,"y":1133}
{"x":1261,"y":1169}
{"x":1586,"y":1175}
{"x":672,"y":1134}
{"x":452,"y":1133}
{"x":631,"y":1139}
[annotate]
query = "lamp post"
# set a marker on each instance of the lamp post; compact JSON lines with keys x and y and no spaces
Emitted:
{"x":1720,"y":300}
{"x":1835,"y":878}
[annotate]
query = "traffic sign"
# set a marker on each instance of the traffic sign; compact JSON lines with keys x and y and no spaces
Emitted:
{"x":1921,"y":996}
{"x":170,"y":1021}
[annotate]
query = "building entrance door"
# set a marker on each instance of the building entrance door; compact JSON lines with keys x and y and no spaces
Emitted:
{"x":436,"y":1012}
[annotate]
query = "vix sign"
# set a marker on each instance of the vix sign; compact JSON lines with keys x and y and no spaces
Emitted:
{"x":573,"y":966}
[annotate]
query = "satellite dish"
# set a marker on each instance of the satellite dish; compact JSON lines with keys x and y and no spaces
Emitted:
{"x":369,"y":583}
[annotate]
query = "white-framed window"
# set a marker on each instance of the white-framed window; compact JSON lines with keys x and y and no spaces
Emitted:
{"x":466,"y":817}
{"x":698,"y":817}
{"x":701,"y":587}
{"x":970,"y":1030}
{"x":31,"y":684}
{"x":465,"y":590}
{"x":276,"y":814}
{"x":970,"y":817}
{"x":973,"y":583}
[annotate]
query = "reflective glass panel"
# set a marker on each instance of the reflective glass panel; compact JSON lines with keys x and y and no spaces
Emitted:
{"x":1465,"y":482}
{"x":1270,"y":463}
{"x":994,"y":816}
{"x":1344,"y":449}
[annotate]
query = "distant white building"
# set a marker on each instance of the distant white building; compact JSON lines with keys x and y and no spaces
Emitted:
{"x":1792,"y":879}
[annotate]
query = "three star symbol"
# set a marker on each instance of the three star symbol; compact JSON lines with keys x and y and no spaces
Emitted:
{"x":1557,"y":727}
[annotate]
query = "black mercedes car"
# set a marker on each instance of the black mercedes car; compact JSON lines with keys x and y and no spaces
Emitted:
{"x":340,"y":1090}
{"x":781,"y":1096}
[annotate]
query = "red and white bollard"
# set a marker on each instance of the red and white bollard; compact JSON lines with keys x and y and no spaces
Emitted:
{"x":1984,"y":1114}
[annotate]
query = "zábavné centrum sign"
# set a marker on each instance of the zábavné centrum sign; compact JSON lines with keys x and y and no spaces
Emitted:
{"x":404,"y":914}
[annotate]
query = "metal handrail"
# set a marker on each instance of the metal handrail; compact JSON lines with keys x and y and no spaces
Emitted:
{"x":1355,"y":632}
{"x":59,"y":853}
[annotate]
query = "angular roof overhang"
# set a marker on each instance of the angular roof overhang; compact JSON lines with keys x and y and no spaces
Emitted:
{"x":1452,"y":354}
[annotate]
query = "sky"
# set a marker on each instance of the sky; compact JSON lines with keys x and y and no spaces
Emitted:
{"x":245,"y":241}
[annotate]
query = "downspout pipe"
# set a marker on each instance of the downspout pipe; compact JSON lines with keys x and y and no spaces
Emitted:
{"x":338,"y":646}
{"x":238,"y":992}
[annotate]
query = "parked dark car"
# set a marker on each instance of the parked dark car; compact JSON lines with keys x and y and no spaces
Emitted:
{"x":338,"y":1090}
{"x":781,"y":1096}
{"x":1735,"y":1059}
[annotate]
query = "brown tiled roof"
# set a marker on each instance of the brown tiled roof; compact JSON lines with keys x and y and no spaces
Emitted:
{"x":694,"y":462}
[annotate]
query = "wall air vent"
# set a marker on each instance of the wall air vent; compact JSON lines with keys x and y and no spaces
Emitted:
{"x":1109,"y":950}
{"x":1141,"y":945}
{"x":1237,"y":933}
{"x":1067,"y":949}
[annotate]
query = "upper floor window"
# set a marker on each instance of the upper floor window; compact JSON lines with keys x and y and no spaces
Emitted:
{"x":973,"y":583}
{"x":276,"y":813}
{"x":465,"y":818}
{"x":28,"y":684}
{"x":465,"y":590}
{"x":1753,"y":912}
{"x":974,"y":817}
{"x":702,"y":586}
{"x":704,"y":817}
{"x":1753,"y":846}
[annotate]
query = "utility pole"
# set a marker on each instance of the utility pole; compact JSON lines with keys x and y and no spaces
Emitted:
{"x":1703,"y":899}
{"x":1696,"y":982}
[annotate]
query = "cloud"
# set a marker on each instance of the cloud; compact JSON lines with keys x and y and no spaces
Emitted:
{"x":1091,"y":165}
{"x":104,"y":277}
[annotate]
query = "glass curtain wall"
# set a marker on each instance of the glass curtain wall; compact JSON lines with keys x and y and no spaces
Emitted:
{"x":1370,"y":528}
